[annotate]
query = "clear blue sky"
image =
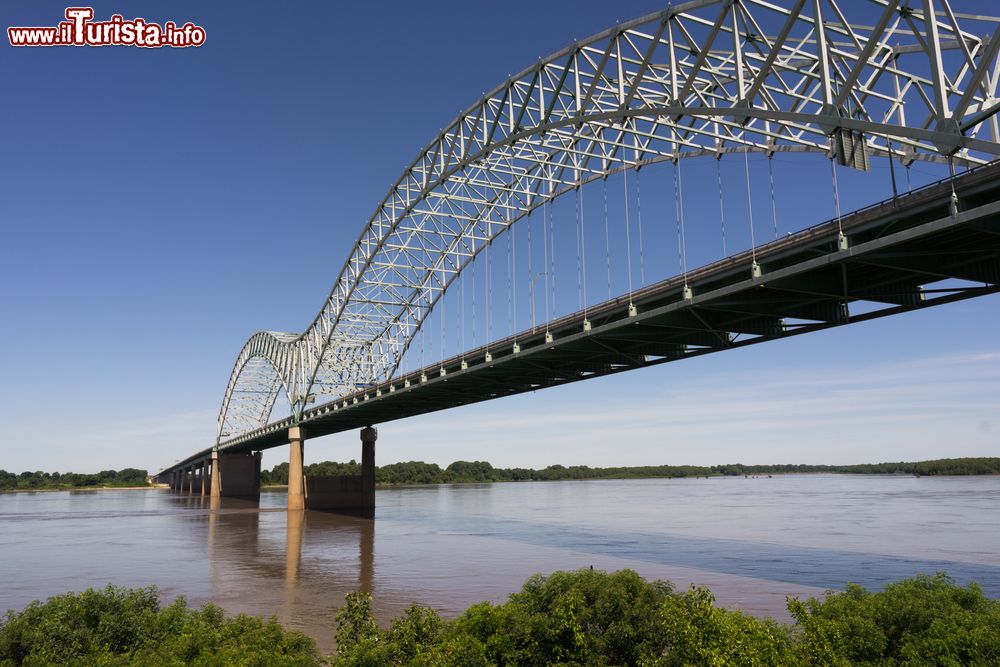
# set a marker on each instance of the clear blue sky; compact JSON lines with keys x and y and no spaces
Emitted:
{"x":159,"y":206}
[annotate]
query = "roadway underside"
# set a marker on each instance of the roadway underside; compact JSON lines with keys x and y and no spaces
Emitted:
{"x":900,"y":255}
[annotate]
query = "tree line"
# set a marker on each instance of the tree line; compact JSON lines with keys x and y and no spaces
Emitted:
{"x":959,"y":466}
{"x":10,"y":481}
{"x":418,"y":472}
{"x":586,"y":617}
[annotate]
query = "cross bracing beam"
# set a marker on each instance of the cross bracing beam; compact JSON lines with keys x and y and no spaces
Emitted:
{"x":704,"y":77}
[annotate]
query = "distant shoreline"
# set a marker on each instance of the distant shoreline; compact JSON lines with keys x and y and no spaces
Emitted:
{"x":390,"y":485}
{"x":49,"y":489}
{"x":39,"y":480}
{"x":419,"y":473}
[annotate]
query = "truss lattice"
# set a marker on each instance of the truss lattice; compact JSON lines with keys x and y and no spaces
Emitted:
{"x":704,"y":77}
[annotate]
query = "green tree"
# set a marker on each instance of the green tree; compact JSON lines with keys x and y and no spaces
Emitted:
{"x":470,"y":471}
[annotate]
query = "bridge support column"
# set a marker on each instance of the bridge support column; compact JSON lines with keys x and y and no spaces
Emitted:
{"x":349,"y":494}
{"x":216,"y":485}
{"x":204,"y":477}
{"x":296,"y":482}
{"x":189,"y":479}
{"x":368,"y":438}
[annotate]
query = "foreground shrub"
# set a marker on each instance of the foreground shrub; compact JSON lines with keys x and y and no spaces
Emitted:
{"x":926,"y":620}
{"x":119,"y":626}
{"x":581,"y":618}
{"x":699,"y":633}
{"x":585,"y":617}
{"x":589,"y":617}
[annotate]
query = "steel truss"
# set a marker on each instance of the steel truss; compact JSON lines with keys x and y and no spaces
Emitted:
{"x":704,"y":77}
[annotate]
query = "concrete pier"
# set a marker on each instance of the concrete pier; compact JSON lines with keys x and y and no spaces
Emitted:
{"x":216,"y":482}
{"x":236,"y":475}
{"x":368,"y":438}
{"x":296,"y":481}
{"x":197,"y":480}
{"x":351,"y":494}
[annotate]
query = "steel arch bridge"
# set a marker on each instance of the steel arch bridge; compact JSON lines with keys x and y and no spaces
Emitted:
{"x":890,"y":78}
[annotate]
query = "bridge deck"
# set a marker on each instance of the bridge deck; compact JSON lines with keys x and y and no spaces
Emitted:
{"x":895,"y":251}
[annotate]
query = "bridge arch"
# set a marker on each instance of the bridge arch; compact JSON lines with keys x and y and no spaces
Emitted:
{"x":702,"y":78}
{"x":257,"y":378}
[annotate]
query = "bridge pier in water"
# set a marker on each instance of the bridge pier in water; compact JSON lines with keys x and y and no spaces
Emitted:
{"x":196,"y":481}
{"x":216,"y":482}
{"x":296,"y":480}
{"x":234,"y":475}
{"x":351,"y":494}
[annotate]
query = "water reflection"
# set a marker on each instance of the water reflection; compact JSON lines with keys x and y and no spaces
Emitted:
{"x":299,"y":571}
{"x":293,"y":547}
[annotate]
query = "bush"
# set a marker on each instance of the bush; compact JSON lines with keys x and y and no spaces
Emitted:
{"x":119,"y":626}
{"x":585,"y":617}
{"x":923,"y":620}
{"x":589,"y":617}
{"x":699,"y":633}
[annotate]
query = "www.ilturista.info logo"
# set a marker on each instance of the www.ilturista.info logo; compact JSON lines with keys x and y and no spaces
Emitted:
{"x":79,"y":29}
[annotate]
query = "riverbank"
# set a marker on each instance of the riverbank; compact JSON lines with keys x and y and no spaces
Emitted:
{"x":73,"y":481}
{"x":44,"y":489}
{"x":419,"y":472}
{"x":459,"y":472}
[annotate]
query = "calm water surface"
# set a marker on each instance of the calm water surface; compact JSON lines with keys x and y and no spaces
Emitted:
{"x":752,"y":541}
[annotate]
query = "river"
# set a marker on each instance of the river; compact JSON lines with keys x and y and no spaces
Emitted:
{"x":752,"y":540}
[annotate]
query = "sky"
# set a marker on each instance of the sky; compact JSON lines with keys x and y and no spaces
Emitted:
{"x":159,"y":206}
